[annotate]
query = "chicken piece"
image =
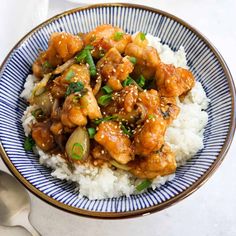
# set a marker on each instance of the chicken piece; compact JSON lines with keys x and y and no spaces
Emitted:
{"x":72,"y":114}
{"x":89,"y":105}
{"x":75,"y":73}
{"x":105,"y":37}
{"x":123,"y":103}
{"x":169,"y":109}
{"x":42,"y":135}
{"x":145,"y":56}
{"x":56,"y":128}
{"x":99,"y":152}
{"x":114,"y":68}
{"x":149,"y":137}
{"x":150,"y":99}
{"x":62,"y":46}
{"x":147,"y":72}
{"x":156,"y":164}
{"x":118,"y":145}
{"x":172,"y":81}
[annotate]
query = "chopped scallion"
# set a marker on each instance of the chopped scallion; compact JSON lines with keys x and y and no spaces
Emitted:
{"x":74,"y":87}
{"x":81,"y":56}
{"x":107,"y":89}
{"x":91,"y":132}
{"x":126,"y":130}
{"x":38,"y":114}
{"x":92,"y":67}
{"x":98,"y":121}
{"x":70,"y":74}
{"x":77,"y":151}
{"x":118,"y":36}
{"x":104,"y":99}
{"x":141,"y":81}
{"x":142,"y":36}
{"x":133,"y":60}
{"x":143,"y":185}
{"x":128,"y":81}
{"x":29,"y":143}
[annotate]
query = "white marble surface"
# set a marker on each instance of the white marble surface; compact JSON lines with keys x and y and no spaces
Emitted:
{"x":209,"y":211}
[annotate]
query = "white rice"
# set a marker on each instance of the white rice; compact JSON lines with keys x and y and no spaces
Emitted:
{"x":185,"y":136}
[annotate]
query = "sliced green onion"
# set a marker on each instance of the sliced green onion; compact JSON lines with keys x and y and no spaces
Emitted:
{"x":46,"y":66}
{"x":128,"y":81}
{"x":74,"y":87}
{"x":142,"y":36}
{"x":38,"y":114}
{"x":70,"y":74}
{"x":92,"y":67}
{"x":141,"y":81}
{"x":118,"y":36}
{"x":98,"y":121}
{"x":88,"y":47}
{"x":77,"y":154}
{"x":107,"y":89}
{"x":105,"y":99}
{"x":91,"y":132}
{"x":29,"y":143}
{"x":143,"y":185}
{"x":81,"y":56}
{"x":133,"y":60}
{"x":125,"y":130}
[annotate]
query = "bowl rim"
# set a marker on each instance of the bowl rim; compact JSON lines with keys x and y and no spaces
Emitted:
{"x":146,"y":211}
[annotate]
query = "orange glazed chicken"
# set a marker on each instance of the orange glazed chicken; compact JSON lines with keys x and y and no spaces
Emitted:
{"x":105,"y":98}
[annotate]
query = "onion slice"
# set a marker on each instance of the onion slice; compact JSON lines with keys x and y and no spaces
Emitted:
{"x":120,"y":166}
{"x":64,"y":66}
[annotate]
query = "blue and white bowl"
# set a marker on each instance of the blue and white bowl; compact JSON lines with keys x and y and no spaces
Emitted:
{"x":204,"y":61}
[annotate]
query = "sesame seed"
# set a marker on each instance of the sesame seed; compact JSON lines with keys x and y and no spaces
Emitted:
{"x":103,"y":152}
{"x":102,"y":136}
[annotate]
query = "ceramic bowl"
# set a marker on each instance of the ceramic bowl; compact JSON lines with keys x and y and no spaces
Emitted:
{"x":204,"y":61}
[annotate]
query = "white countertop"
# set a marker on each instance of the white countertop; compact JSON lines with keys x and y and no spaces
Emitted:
{"x":209,"y":211}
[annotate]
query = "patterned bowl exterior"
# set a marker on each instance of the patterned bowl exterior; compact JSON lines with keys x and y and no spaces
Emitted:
{"x":204,"y":61}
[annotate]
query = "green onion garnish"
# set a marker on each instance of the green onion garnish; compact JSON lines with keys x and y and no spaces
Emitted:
{"x":128,"y":81}
{"x":29,"y":143}
{"x":141,"y":81}
{"x":98,"y":121}
{"x":91,"y":132}
{"x":143,"y":185}
{"x":38,"y":113}
{"x":46,"y":65}
{"x":77,"y":151}
{"x":107,"y":89}
{"x":70,"y":74}
{"x":142,"y":36}
{"x":118,"y":36}
{"x":133,"y":60}
{"x":81,"y":56}
{"x":92,"y":67}
{"x":104,"y":99}
{"x":74,"y":87}
{"x":125,"y":130}
{"x":88,"y":47}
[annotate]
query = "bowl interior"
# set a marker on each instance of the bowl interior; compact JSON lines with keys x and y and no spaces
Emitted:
{"x":203,"y":62}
